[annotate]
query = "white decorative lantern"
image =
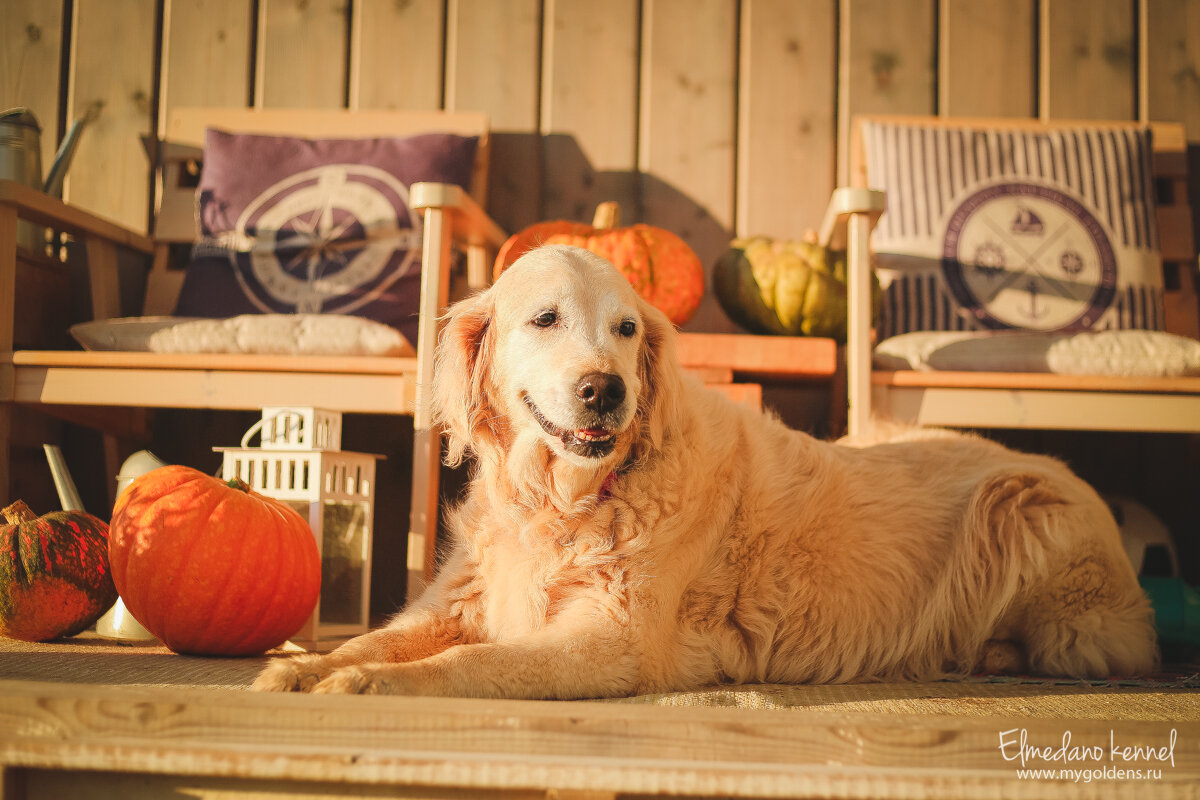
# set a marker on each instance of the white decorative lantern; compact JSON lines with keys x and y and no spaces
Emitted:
{"x":299,"y":463}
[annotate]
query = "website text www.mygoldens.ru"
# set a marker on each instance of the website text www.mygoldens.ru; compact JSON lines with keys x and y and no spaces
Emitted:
{"x":1117,"y":759}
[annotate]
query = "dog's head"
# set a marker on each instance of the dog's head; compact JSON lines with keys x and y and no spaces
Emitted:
{"x":560,"y":353}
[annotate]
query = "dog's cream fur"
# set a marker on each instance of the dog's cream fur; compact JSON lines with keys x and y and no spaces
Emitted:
{"x":706,"y":543}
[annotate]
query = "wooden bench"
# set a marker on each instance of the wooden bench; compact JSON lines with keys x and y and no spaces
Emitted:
{"x":1036,"y":400}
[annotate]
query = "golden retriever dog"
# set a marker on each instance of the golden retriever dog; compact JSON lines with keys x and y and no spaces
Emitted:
{"x":628,"y":531}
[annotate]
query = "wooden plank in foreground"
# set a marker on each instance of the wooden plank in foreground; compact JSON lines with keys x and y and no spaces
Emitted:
{"x":563,"y":746}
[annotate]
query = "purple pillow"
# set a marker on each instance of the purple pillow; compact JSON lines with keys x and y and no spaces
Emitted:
{"x":315,"y":225}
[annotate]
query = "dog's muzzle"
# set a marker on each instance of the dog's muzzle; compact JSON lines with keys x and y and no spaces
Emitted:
{"x":601,"y":396}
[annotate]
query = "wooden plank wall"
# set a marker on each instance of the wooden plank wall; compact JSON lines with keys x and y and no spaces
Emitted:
{"x":711,"y":117}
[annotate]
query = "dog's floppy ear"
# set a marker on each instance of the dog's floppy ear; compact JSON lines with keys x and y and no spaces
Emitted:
{"x":461,"y":380}
{"x":659,"y":371}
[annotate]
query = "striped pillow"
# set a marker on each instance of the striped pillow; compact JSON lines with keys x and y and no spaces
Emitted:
{"x":1014,"y":227}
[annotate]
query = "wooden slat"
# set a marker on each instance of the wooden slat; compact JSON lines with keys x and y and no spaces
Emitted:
{"x":1042,"y":409}
{"x":1088,"y":67}
{"x":880,"y":72}
{"x":1170,"y":55}
{"x":225,"y":362}
{"x":1035,"y":380}
{"x":589,"y":108}
{"x":987,"y":55}
{"x":206,"y":55}
{"x":112,"y":76}
{"x":396,"y":54}
{"x":30,"y":51}
{"x":767,"y":356}
{"x":103,"y":278}
{"x":785,"y":166}
{"x":688,"y":127}
{"x":207,"y":387}
{"x":301,"y":54}
{"x":492,"y":66}
{"x":187,"y":125}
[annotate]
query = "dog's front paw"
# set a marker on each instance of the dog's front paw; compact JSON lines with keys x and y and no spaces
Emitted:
{"x":365,"y":679}
{"x":298,"y":674}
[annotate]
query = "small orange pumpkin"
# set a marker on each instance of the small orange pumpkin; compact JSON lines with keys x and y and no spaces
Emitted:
{"x":54,"y":575}
{"x":663,"y":269}
{"x":211,"y":567}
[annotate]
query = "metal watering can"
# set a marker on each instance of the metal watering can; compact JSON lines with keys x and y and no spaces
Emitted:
{"x":21,"y":161}
{"x":117,"y":622}
{"x":21,"y":151}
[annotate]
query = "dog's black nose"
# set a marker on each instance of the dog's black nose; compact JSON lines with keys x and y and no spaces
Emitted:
{"x":600,"y":391}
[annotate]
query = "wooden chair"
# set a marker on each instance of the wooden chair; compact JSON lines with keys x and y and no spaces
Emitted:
{"x":1030,"y":400}
{"x":108,"y":390}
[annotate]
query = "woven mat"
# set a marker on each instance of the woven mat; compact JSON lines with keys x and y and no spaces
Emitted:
{"x":1168,"y":698}
{"x":90,"y":659}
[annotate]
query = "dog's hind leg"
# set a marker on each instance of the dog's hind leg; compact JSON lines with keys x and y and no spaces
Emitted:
{"x":1079,"y":609}
{"x":1091,"y":620}
{"x":1045,"y":552}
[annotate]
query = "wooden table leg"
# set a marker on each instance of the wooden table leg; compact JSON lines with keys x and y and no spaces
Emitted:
{"x":8,"y":292}
{"x":106,"y":304}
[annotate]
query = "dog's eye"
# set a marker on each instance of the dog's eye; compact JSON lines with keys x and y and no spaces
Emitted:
{"x":545,"y":319}
{"x":627,"y":328}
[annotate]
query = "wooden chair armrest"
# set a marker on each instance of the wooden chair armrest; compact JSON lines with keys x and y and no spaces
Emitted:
{"x":843,"y":204}
{"x":100,"y":237}
{"x":470,"y":222}
{"x":42,"y":209}
{"x":851,"y":215}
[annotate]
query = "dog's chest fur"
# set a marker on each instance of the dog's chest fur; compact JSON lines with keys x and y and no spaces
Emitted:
{"x":535,"y":571}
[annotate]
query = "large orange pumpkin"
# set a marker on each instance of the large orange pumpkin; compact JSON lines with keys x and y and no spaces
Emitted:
{"x":211,"y":567}
{"x":663,"y":269}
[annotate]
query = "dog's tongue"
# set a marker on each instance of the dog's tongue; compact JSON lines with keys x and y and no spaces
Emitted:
{"x":592,"y":432}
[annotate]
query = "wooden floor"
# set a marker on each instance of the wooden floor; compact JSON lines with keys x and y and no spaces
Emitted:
{"x":185,"y":727}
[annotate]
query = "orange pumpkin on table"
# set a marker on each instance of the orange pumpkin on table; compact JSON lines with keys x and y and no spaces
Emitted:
{"x":211,"y":567}
{"x":663,"y":269}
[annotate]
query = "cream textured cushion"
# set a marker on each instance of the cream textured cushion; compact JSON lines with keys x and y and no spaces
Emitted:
{"x":267,"y":334}
{"x":1130,"y":353}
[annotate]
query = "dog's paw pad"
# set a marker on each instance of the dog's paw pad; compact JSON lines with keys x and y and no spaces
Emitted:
{"x":347,"y":680}
{"x":299,"y":674}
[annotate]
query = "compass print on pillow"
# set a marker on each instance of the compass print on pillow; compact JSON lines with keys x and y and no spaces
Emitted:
{"x":1013,"y":225}
{"x":1020,"y":255}
{"x":327,"y":239}
{"x":294,"y":225}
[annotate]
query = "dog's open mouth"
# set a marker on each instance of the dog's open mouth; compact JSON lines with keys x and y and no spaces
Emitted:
{"x":593,"y":442}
